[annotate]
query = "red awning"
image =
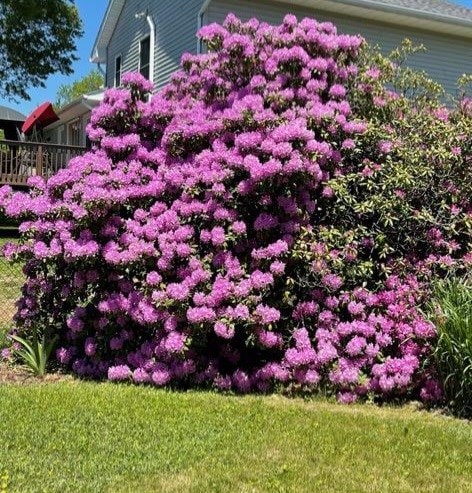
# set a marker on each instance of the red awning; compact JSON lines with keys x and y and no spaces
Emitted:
{"x":42,"y":116}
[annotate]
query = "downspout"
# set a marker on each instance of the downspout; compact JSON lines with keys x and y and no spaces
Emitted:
{"x":200,"y":15}
{"x":99,"y":66}
{"x":152,"y":42}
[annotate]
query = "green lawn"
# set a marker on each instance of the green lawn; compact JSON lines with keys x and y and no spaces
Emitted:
{"x":86,"y":437}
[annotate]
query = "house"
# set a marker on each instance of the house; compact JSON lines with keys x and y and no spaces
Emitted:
{"x":150,"y":36}
{"x":26,"y":147}
{"x":69,"y":129}
{"x":45,"y":141}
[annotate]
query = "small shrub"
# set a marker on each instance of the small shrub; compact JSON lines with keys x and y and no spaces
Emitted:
{"x":451,"y":312}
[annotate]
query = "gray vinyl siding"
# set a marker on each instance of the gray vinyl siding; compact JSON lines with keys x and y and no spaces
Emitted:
{"x":51,"y":135}
{"x":175,"y":28}
{"x":446,"y":58}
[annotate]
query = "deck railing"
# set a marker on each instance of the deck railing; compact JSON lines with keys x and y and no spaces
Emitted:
{"x":20,"y":160}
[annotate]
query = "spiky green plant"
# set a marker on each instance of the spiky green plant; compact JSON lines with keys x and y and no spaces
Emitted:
{"x":451,"y":311}
{"x":34,"y":354}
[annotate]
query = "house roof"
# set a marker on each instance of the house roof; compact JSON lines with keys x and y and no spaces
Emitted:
{"x":433,"y":15}
{"x":9,"y":114}
{"x":78,"y":107}
{"x":440,"y":7}
{"x":438,"y":16}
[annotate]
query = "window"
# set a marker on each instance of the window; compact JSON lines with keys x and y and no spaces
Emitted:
{"x":61,"y":135}
{"x":88,"y":142}
{"x":201,"y":20}
{"x":145,"y":56}
{"x":74,"y":133}
{"x":118,"y":71}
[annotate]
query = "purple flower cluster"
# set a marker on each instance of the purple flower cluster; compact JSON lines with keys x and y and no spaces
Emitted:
{"x":375,"y":348}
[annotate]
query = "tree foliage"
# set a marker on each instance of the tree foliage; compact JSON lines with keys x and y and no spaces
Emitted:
{"x":68,"y":92}
{"x":37,"y":39}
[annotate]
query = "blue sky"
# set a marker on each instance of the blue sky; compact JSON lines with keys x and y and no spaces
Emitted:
{"x":91,"y":12}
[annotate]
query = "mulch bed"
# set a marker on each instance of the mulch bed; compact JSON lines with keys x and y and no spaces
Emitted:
{"x":17,"y":374}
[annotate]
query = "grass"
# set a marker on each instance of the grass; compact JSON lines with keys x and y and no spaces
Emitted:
{"x":74,"y":436}
{"x":11,"y":280}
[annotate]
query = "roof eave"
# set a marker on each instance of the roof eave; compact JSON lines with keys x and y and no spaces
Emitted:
{"x":97,"y":56}
{"x":99,"y":50}
{"x":394,"y":14}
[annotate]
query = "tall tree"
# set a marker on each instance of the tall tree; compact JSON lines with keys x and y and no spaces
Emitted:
{"x":37,"y":39}
{"x":68,"y":92}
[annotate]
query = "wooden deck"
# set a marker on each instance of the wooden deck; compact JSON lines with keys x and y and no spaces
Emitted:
{"x":21,"y":160}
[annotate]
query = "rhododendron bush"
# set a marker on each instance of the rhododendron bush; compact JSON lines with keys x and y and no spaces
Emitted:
{"x":271,"y":217}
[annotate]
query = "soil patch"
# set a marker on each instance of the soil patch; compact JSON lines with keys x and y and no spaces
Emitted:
{"x":17,"y":374}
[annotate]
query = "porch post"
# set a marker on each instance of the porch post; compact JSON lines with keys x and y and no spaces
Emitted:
{"x":39,"y":161}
